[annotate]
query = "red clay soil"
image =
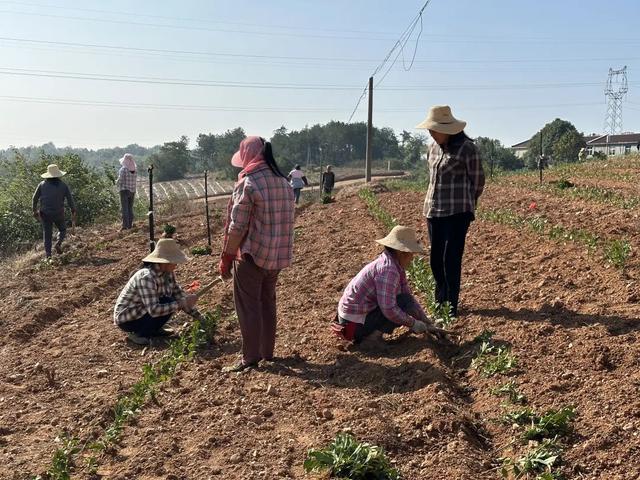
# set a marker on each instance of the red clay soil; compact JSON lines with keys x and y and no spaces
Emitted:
{"x":570,"y":320}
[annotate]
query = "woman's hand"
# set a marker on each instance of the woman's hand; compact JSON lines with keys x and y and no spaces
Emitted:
{"x":224,"y":267}
{"x":188,"y":302}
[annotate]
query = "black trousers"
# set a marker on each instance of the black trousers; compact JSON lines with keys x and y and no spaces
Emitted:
{"x":376,"y":321}
{"x":447,"y":236}
{"x":48,"y":221}
{"x":147,"y":326}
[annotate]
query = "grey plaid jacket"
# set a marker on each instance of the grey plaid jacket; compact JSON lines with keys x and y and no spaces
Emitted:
{"x":456,"y":180}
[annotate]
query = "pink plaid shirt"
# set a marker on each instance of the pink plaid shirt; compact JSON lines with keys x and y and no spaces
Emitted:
{"x":377,"y":285}
{"x":261,"y":210}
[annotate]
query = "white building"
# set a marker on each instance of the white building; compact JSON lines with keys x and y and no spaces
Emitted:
{"x":607,"y":144}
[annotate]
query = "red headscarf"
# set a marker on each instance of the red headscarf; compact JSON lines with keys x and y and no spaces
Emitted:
{"x":249,"y":156}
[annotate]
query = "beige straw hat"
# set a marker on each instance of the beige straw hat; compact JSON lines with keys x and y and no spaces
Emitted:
{"x":166,"y":251}
{"x":403,"y":239}
{"x":441,"y":120}
{"x":53,"y":172}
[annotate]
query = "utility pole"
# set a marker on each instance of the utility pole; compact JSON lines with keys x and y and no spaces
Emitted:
{"x":369,"y":151}
{"x":206,"y":205}
{"x":541,"y":159}
{"x":152,"y":241}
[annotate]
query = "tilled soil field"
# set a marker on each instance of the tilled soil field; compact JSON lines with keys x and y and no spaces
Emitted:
{"x":569,"y":317}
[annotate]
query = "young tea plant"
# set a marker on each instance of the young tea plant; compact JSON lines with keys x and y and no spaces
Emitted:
{"x":551,"y":424}
{"x":346,"y":458}
{"x":617,"y":252}
{"x":493,"y":360}
{"x":538,"y":463}
{"x":201,"y":250}
{"x":510,"y":391}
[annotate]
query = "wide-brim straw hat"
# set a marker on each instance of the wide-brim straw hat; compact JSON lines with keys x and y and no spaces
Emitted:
{"x":441,"y":120}
{"x":166,"y":251}
{"x":402,"y":239}
{"x":53,"y":172}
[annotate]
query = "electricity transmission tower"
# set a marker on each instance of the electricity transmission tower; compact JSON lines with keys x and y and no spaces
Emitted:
{"x":615,"y":90}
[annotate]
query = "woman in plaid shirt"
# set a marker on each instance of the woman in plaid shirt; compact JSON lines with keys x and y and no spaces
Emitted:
{"x":152,"y":295}
{"x":258,"y":243}
{"x":456,"y":181}
{"x":378,"y":300}
{"x":126,"y":184}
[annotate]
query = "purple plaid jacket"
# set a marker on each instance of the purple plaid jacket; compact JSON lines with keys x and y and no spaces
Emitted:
{"x":261,"y":210}
{"x":377,"y":285}
{"x":456,"y":180}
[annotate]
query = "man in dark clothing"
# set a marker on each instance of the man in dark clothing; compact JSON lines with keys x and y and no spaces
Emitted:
{"x":328,"y":181}
{"x":51,"y":193}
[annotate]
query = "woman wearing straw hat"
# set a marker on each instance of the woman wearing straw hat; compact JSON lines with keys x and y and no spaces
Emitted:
{"x":378,"y":300}
{"x":456,"y":181}
{"x":51,"y":193}
{"x":258,"y":243}
{"x":152,"y":295}
{"x":126,"y":184}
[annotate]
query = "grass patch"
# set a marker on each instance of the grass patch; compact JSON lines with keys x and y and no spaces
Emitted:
{"x":617,"y":252}
{"x":201,"y":250}
{"x":551,"y":424}
{"x":347,"y":458}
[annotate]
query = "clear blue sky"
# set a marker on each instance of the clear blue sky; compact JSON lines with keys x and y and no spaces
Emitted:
{"x":505,"y":66}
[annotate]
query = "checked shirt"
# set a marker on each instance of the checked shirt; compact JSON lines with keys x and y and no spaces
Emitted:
{"x":261,"y":211}
{"x":142,"y":295}
{"x":126,"y":180}
{"x":377,"y":285}
{"x":456,"y":180}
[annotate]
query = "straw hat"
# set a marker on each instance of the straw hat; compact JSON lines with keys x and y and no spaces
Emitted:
{"x":441,"y":120}
{"x":166,"y":251}
{"x":53,"y":172}
{"x":403,"y":239}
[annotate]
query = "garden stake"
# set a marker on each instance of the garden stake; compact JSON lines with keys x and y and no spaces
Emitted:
{"x":152,"y":242}
{"x":206,"y":206}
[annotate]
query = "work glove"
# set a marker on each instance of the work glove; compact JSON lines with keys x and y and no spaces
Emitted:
{"x":419,"y":327}
{"x":224,"y":267}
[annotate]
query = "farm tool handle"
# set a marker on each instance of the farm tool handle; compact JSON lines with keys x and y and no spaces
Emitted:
{"x":208,"y":287}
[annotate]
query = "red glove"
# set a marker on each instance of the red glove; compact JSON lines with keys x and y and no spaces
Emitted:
{"x":224,"y":267}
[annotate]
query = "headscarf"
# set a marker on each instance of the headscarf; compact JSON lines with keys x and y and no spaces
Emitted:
{"x":128,"y":162}
{"x":249,"y":156}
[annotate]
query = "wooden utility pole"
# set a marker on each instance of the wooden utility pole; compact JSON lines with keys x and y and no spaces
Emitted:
{"x":206,"y":205}
{"x":367,"y":163}
{"x":152,"y":241}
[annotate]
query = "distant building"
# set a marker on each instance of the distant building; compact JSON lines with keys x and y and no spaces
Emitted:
{"x":607,"y":144}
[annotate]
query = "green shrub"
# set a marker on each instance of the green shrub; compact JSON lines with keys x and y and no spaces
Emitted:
{"x":93,"y":192}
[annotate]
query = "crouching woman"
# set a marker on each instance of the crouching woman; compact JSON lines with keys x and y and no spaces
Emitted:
{"x":378,"y":300}
{"x":152,"y":295}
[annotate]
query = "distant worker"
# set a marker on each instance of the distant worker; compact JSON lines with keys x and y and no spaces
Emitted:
{"x":456,"y":181}
{"x":126,"y":184}
{"x":582,"y":154}
{"x":328,"y":181}
{"x":258,"y":243}
{"x":378,"y":300}
{"x":152,"y":295}
{"x":51,"y":193}
{"x":298,"y":181}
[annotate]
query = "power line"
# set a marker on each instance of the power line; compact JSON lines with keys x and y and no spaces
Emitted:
{"x":305,"y":58}
{"x":397,"y":47}
{"x":277,"y":86}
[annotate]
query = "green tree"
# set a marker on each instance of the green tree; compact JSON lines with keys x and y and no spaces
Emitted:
{"x":561,"y":142}
{"x":173,"y":160}
{"x":502,"y":157}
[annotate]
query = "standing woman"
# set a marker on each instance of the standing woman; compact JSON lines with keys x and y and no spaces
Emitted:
{"x":258,"y":243}
{"x":456,"y":181}
{"x":298,"y":182}
{"x":126,"y":183}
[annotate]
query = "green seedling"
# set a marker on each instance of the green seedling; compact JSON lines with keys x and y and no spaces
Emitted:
{"x":484,"y":337}
{"x":539,"y":461}
{"x":617,"y":252}
{"x":509,"y":389}
{"x":493,"y":360}
{"x":168,"y":231}
{"x":201,"y":250}
{"x":62,"y":464}
{"x":346,"y":458}
{"x":551,"y":424}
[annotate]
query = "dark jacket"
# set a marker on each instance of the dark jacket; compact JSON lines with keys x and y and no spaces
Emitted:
{"x":51,"y":194}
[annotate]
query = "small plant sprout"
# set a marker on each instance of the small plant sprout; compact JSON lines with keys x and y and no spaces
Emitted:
{"x":510,"y":391}
{"x":492,"y":360}
{"x":346,"y":458}
{"x":201,"y":250}
{"x":538,"y":463}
